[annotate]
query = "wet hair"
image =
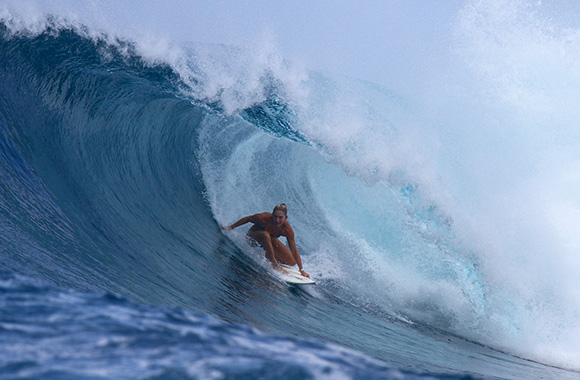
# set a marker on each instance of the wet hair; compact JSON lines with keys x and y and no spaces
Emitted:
{"x":281,"y":207}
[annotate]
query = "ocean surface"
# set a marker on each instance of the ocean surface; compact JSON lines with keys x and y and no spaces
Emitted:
{"x":118,"y":165}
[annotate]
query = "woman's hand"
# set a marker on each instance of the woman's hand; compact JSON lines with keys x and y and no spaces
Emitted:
{"x":303,"y":272}
{"x":227,"y":228}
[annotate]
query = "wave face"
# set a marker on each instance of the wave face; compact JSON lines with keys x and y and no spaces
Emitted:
{"x":119,"y":162}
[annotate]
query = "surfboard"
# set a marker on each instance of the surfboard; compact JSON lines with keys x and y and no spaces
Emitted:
{"x":294,"y":277}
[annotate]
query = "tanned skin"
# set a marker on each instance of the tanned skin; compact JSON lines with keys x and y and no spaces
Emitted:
{"x":267,"y":229}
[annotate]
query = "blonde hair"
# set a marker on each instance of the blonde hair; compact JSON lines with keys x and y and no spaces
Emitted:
{"x":281,"y":207}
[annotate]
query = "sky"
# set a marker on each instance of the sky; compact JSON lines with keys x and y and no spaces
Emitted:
{"x":388,"y":42}
{"x":385,"y":42}
{"x":372,"y":40}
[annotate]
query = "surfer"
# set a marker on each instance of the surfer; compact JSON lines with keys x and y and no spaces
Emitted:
{"x":266,"y":231}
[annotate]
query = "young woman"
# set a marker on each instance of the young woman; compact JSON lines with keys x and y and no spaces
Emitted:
{"x":266,"y":231}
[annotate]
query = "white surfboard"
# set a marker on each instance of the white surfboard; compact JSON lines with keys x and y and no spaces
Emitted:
{"x":294,"y":276}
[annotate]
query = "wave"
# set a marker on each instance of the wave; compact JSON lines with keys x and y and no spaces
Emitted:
{"x":120,"y":161}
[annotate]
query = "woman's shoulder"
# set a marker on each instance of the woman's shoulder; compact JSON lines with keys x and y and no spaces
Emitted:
{"x":287,"y":230}
{"x":261,"y":217}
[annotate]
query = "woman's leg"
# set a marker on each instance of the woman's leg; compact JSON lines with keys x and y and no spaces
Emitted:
{"x":263,"y":238}
{"x":282,"y":252}
{"x":276,"y":251}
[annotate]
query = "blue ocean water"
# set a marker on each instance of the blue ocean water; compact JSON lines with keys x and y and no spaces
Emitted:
{"x":117,"y":171}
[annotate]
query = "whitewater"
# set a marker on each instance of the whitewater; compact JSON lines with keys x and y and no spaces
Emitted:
{"x":440,"y":220}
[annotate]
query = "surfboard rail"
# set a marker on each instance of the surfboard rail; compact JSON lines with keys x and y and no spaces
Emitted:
{"x":294,"y":276}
